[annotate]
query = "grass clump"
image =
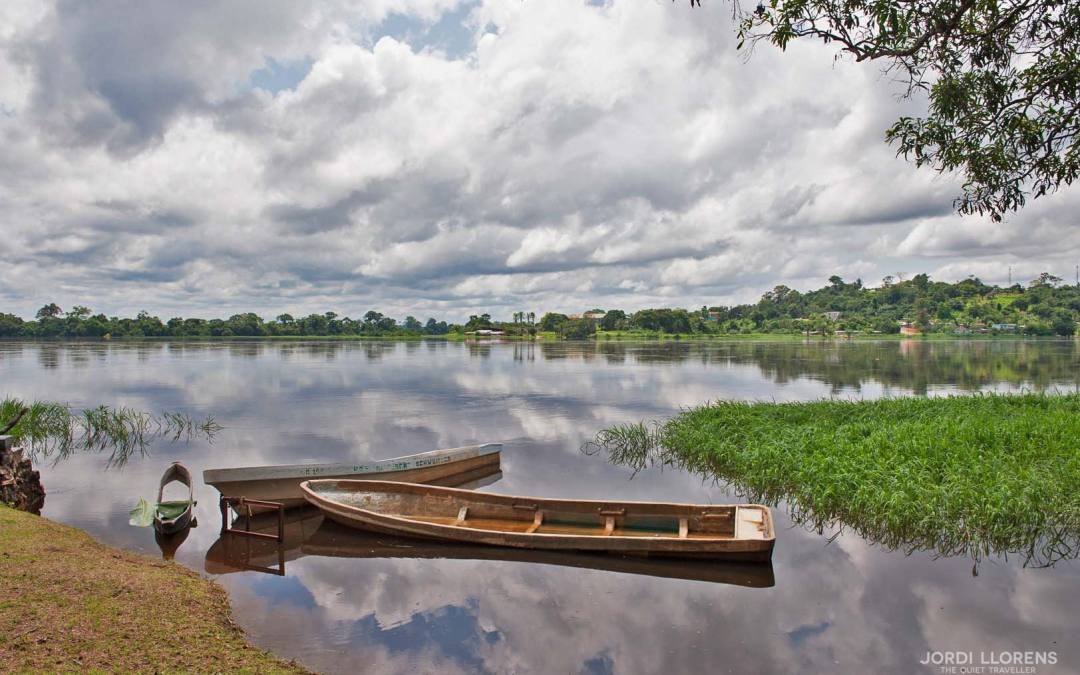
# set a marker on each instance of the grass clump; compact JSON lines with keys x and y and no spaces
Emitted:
{"x":50,"y":429}
{"x":71,"y":604}
{"x":961,"y":475}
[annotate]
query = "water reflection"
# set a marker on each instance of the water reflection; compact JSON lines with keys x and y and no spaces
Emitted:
{"x":834,"y":607}
{"x":169,"y":543}
{"x":913,"y":365}
{"x":307,"y":534}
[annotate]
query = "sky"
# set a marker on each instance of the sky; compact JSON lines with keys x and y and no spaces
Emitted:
{"x":448,"y":157}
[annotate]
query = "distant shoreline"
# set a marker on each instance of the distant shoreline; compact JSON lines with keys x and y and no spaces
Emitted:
{"x":601,"y":336}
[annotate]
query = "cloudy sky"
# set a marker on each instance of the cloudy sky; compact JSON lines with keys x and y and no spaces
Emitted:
{"x":441,"y":157}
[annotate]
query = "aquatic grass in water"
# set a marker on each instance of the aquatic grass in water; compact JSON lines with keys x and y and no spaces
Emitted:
{"x":51,"y":429}
{"x":961,"y":475}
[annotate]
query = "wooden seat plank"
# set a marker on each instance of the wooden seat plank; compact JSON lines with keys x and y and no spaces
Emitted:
{"x":538,"y":520}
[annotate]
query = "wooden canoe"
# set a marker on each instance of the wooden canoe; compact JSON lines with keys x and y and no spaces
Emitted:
{"x":173,"y":516}
{"x":282,"y":483}
{"x":743,"y":532}
{"x":309,"y":534}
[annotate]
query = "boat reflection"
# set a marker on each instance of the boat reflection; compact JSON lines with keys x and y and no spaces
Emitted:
{"x":168,"y":543}
{"x":237,"y":553}
{"x":308,"y":534}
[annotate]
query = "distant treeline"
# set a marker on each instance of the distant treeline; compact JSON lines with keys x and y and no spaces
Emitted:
{"x":1043,"y":307}
{"x":52,"y":321}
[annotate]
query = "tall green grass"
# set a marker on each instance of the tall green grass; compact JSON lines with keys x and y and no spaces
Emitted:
{"x":960,"y":475}
{"x":55,"y":430}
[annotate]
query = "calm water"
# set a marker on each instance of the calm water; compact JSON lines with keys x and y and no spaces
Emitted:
{"x":349,"y":603}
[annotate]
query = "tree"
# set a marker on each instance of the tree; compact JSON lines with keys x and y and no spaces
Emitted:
{"x":778,"y":294}
{"x":551,"y":321}
{"x":1002,"y":79}
{"x":1063,"y":323}
{"x":433,"y":327}
{"x":615,"y":319}
{"x":247,"y":324}
{"x":922,"y":315}
{"x":481,"y":322}
{"x":576,"y":329}
{"x":49,"y":311}
{"x":10,"y":325}
{"x":78,"y":312}
{"x":412,"y":325}
{"x":372,"y":321}
{"x":1046,"y":279}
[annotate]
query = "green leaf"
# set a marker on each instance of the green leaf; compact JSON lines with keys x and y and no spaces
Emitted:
{"x":142,"y":515}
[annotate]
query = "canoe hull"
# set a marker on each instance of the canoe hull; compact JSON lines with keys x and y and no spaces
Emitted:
{"x":436,"y":468}
{"x":750,"y":538}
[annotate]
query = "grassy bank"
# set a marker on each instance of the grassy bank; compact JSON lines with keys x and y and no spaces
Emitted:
{"x":965,"y":475}
{"x":71,"y":604}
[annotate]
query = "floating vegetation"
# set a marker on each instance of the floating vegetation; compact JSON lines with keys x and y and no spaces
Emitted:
{"x":50,"y":429}
{"x":960,"y":475}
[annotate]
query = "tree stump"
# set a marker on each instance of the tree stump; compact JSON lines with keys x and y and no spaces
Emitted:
{"x":20,"y":485}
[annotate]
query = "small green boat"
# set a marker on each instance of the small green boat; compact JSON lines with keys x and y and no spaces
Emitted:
{"x":176,"y":515}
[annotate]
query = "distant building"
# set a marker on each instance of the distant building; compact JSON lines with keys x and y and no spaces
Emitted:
{"x":962,"y":330}
{"x":832,"y":316}
{"x":907,"y":328}
{"x":595,"y":316}
{"x":487,"y":331}
{"x":1004,"y":327}
{"x":713,"y":316}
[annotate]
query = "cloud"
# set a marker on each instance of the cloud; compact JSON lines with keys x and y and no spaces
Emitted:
{"x":452,"y":156}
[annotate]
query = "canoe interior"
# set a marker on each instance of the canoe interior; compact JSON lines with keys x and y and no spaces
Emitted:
{"x":504,"y":514}
{"x":173,"y":510}
{"x":174,"y":515}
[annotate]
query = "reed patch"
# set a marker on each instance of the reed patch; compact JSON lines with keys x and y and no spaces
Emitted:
{"x":960,"y":475}
{"x":56,"y":430}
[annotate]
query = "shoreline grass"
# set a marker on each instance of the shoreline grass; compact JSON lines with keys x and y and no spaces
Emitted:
{"x":71,"y":604}
{"x":54,"y":429}
{"x":961,"y":475}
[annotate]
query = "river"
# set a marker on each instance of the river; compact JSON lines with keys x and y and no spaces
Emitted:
{"x":830,"y":602}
